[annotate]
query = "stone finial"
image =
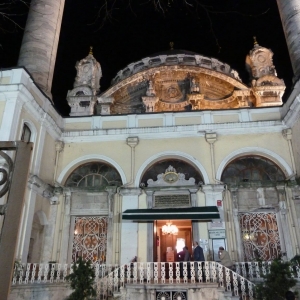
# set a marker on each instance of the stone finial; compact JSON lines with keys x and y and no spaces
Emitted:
{"x":150,"y":90}
{"x":194,"y":86}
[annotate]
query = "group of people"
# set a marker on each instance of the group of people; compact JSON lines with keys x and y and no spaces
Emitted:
{"x":198,"y":255}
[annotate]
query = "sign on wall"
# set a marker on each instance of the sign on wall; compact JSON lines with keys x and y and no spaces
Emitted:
{"x":217,"y":234}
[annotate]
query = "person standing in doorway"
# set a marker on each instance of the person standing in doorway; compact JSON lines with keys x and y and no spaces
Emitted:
{"x":198,"y":255}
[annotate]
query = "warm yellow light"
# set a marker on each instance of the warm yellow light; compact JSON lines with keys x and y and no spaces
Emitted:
{"x":169,"y":229}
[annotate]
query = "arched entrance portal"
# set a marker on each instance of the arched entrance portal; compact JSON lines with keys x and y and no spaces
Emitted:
{"x":171,"y":186}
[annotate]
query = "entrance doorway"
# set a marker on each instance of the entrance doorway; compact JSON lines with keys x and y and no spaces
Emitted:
{"x":169,"y":245}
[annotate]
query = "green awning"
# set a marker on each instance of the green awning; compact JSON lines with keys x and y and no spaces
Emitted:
{"x":204,"y":213}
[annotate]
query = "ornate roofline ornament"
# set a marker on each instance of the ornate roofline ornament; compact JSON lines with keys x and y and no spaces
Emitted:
{"x":171,"y":177}
{"x":82,"y":98}
{"x":267,"y":88}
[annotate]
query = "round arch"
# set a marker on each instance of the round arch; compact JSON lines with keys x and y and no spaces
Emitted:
{"x":89,"y":158}
{"x":169,"y":154}
{"x":287,"y":170}
{"x":32,"y":128}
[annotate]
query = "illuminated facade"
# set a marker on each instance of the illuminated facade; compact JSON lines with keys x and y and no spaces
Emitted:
{"x":177,"y":138}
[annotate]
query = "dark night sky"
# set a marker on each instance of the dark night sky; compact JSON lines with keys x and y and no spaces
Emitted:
{"x":223,"y":30}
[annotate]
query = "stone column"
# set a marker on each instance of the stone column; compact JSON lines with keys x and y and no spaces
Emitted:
{"x":283,"y":225}
{"x":64,"y":246}
{"x":110,"y":224}
{"x":235,"y":212}
{"x":290,"y":16}
{"x":49,"y":231}
{"x":150,"y":228}
{"x":213,"y":193}
{"x":129,"y":230}
{"x":229,"y":224}
{"x":40,"y":41}
{"x":195,"y":224}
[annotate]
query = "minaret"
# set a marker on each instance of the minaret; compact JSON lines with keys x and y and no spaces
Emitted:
{"x":40,"y":41}
{"x":290,"y":18}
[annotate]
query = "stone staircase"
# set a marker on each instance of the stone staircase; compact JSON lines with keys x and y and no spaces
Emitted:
{"x":166,"y":281}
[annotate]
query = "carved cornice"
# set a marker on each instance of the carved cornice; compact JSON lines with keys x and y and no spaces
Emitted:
{"x":43,"y":189}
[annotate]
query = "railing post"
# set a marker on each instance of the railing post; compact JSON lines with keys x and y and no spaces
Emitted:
{"x":177,"y":272}
{"x":192,"y":267}
{"x":156,"y":272}
{"x":149,"y":272}
{"x":185,"y":272}
{"x":170,"y":272}
{"x":163,"y":272}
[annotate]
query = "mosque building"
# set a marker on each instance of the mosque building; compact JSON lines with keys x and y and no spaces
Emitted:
{"x":178,"y":149}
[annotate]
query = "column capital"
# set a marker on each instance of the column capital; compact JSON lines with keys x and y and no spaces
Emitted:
{"x":130,"y":191}
{"x":211,"y":137}
{"x":213,"y":188}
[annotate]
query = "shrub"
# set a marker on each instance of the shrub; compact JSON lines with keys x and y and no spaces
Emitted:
{"x":276,"y":283}
{"x":82,"y":280}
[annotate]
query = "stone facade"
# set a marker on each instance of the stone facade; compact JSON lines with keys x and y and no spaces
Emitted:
{"x":176,"y":124}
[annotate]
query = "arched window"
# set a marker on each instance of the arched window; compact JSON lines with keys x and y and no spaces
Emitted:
{"x":94,"y":175}
{"x":26,"y":133}
{"x":180,"y":166}
{"x":252,"y":169}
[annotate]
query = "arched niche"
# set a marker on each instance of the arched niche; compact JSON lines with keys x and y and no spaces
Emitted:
{"x":252,"y":168}
{"x":94,"y":175}
{"x":180,"y":166}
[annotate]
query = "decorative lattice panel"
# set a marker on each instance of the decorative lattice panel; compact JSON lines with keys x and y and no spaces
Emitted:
{"x":260,"y":236}
{"x":90,"y":239}
{"x":171,"y":295}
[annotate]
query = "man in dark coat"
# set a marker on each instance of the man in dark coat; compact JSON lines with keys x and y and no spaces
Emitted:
{"x":198,"y":255}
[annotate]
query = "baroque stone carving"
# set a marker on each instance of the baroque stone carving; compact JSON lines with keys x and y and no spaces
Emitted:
{"x":267,"y":88}
{"x":44,"y":189}
{"x":82,"y":98}
{"x":171,"y":178}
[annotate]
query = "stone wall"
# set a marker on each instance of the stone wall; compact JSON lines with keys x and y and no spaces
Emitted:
{"x":42,"y":291}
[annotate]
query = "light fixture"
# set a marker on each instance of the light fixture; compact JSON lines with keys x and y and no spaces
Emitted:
{"x":169,"y":229}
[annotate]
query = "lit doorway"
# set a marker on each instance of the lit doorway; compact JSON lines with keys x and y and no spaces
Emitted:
{"x":168,"y":245}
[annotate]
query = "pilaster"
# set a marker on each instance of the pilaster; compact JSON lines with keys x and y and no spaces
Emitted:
{"x":129,"y":229}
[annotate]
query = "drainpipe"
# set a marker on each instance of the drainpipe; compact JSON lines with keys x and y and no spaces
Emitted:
{"x":132,"y":142}
{"x":211,"y":139}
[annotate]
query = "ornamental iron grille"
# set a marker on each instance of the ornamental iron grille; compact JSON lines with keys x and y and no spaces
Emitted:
{"x":90,"y":239}
{"x":260,"y":236}
{"x":180,"y":166}
{"x":252,"y":168}
{"x":94,"y":176}
{"x":171,"y":295}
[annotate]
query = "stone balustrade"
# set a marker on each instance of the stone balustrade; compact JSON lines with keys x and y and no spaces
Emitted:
{"x":112,"y":279}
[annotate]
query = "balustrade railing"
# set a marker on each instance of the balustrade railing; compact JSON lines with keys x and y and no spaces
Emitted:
{"x":174,"y":273}
{"x":51,"y":272}
{"x":255,"y":270}
{"x":111,"y":279}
